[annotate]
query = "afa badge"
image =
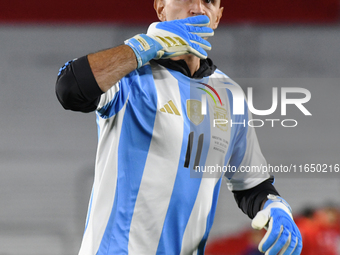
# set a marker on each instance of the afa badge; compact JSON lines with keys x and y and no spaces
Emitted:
{"x":194,"y":111}
{"x":221,"y":113}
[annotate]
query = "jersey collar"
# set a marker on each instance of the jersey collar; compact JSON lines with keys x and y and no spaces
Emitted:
{"x":207,"y":67}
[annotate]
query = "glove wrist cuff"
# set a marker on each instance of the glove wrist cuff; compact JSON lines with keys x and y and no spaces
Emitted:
{"x":138,"y":57}
{"x":144,"y":48}
{"x":277,"y":202}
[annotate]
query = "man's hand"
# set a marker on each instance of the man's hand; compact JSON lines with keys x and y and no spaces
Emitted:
{"x":283,"y":236}
{"x":172,"y":38}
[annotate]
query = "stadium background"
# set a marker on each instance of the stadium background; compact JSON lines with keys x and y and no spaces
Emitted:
{"x":47,"y":154}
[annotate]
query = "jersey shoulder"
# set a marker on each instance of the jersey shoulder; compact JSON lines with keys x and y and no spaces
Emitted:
{"x":219,"y":74}
{"x":224,"y":78}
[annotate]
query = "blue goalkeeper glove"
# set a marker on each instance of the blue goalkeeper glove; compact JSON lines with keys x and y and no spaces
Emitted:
{"x":283,"y":236}
{"x":174,"y":38}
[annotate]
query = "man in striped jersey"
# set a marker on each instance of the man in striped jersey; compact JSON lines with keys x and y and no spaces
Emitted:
{"x":152,"y":193}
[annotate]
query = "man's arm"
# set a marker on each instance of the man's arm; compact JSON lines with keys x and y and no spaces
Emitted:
{"x":109,"y":66}
{"x":81,"y":81}
{"x":251,"y":201}
{"x":163,"y":40}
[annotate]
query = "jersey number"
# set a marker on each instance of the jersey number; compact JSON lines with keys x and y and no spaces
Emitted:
{"x":189,"y":149}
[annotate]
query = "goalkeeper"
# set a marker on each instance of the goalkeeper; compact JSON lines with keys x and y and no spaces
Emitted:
{"x":151,"y":137}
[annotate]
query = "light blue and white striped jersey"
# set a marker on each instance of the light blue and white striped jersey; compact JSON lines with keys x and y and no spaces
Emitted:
{"x":148,"y":197}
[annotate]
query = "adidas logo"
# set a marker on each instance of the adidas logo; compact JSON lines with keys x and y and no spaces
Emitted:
{"x":170,"y":108}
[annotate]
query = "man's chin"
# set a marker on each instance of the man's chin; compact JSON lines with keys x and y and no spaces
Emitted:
{"x":185,"y":56}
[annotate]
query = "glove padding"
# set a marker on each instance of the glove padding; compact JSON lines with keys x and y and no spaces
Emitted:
{"x":283,"y":236}
{"x":173,"y":38}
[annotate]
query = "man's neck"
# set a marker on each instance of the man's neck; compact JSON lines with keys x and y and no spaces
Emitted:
{"x":192,"y":61}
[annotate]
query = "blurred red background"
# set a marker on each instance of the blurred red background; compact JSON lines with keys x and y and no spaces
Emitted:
{"x":137,"y":12}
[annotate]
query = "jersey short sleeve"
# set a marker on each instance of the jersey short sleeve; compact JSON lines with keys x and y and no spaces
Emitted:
{"x":115,"y":98}
{"x":108,"y":96}
{"x":247,"y":158}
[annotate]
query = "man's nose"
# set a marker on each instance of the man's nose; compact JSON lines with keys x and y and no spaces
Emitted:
{"x":196,"y":7}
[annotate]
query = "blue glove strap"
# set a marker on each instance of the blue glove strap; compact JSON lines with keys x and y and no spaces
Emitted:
{"x":144,"y":47}
{"x":273,"y":198}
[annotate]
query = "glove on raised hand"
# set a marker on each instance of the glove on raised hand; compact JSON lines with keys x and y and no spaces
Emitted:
{"x":283,"y":236}
{"x":169,"y":39}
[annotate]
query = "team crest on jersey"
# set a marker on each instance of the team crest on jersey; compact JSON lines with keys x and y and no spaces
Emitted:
{"x":194,"y":111}
{"x":221,"y":113}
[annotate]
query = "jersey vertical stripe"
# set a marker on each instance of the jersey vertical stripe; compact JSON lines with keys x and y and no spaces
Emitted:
{"x":104,"y":187}
{"x":198,"y":226}
{"x":159,"y":173}
{"x":210,"y":218}
{"x":197,"y":223}
{"x":241,"y":127}
{"x":133,"y":149}
{"x":184,"y":190}
{"x":253,"y":157}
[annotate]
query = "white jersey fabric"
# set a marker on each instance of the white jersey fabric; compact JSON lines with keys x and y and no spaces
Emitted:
{"x":148,"y":197}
